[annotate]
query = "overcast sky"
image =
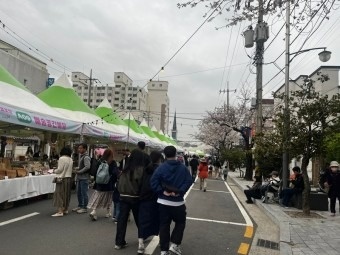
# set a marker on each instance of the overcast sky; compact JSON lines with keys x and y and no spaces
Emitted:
{"x":139,"y":36}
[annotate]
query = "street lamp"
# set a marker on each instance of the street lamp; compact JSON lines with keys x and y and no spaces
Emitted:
{"x":324,"y":56}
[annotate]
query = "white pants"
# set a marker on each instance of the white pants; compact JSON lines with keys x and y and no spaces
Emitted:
{"x":203,"y":183}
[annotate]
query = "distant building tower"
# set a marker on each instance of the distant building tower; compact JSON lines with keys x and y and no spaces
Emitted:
{"x":174,"y":129}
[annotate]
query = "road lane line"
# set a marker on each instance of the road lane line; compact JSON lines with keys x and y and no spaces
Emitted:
{"x":243,"y":249}
{"x":239,"y":205}
{"x":249,"y":232}
{"x":18,"y":218}
{"x":217,"y":221}
{"x":217,"y":191}
{"x":155,"y":240}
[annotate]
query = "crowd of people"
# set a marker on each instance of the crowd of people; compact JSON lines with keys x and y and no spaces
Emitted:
{"x":152,"y":187}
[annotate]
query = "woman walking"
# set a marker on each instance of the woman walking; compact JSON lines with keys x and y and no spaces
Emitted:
{"x":203,"y":174}
{"x":148,"y":207}
{"x":102,"y":196}
{"x":62,"y":194}
{"x":129,"y":186}
{"x":333,"y":183}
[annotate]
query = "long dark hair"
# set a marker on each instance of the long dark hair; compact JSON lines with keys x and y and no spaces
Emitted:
{"x":107,"y":153}
{"x":136,"y":160}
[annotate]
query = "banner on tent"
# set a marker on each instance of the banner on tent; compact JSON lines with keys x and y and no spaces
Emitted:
{"x":99,"y":132}
{"x":37,"y":120}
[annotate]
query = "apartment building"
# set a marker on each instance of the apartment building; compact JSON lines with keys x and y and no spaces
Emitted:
{"x":151,"y":105}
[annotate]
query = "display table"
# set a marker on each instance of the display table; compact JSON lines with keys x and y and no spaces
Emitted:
{"x":26,"y":187}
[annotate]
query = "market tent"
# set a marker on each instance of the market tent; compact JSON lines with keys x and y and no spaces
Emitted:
{"x":62,"y":97}
{"x":133,"y":125}
{"x":158,"y":135}
{"x":20,"y":106}
{"x":146,"y":129}
{"x":105,"y":112}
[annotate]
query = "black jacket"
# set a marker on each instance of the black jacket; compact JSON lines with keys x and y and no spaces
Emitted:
{"x":194,"y":164}
{"x":298,"y":183}
{"x":333,"y":180}
{"x":146,"y":191}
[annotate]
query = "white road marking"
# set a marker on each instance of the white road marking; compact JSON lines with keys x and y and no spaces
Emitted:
{"x":155,"y":240}
{"x":18,"y":218}
{"x":217,"y":191}
{"x":242,"y":210}
{"x":218,"y":221}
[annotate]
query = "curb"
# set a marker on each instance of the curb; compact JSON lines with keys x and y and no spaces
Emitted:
{"x":284,"y":226}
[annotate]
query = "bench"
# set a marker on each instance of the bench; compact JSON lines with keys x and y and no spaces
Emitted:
{"x":317,"y":201}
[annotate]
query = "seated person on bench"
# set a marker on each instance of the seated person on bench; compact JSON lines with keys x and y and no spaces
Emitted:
{"x":273,"y":184}
{"x":254,"y":191}
{"x":296,"y":186}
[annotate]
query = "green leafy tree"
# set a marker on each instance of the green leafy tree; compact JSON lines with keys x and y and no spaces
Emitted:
{"x":333,"y":147}
{"x":235,"y":156}
{"x":312,"y":117}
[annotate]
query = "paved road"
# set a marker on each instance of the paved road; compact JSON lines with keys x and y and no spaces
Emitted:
{"x":215,"y":225}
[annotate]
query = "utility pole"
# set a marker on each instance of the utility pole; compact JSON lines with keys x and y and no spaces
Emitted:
{"x":259,"y":68}
{"x":228,"y":91}
{"x":91,"y":79}
{"x":285,"y":156}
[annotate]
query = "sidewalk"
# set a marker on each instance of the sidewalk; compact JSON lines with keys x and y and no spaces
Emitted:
{"x":300,"y":236}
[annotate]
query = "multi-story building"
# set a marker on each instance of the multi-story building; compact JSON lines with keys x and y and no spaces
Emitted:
{"x":330,"y":87}
{"x":158,"y":104}
{"x":27,"y":69}
{"x":97,"y":94}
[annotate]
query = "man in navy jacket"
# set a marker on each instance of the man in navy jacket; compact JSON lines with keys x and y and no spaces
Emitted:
{"x":171,"y":181}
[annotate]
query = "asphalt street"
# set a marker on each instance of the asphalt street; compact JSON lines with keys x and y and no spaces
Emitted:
{"x":215,"y":225}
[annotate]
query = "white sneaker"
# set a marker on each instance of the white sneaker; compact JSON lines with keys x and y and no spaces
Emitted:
{"x":82,"y":210}
{"x":141,"y":249}
{"x":108,"y":215}
{"x":93,"y":216}
{"x":176,"y":249}
{"x":165,"y":253}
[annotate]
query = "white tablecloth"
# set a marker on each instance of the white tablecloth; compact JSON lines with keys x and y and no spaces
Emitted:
{"x":25,"y":187}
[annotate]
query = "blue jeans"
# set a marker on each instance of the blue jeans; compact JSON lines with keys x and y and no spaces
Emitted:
{"x":286,"y":195}
{"x":82,"y":189}
{"x":115,"y":210}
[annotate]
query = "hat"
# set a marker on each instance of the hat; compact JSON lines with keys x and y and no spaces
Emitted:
{"x":203,"y":160}
{"x":334,"y":163}
{"x":274,"y":173}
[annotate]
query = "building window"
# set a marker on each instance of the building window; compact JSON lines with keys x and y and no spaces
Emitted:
{"x":134,"y":95}
{"x":85,"y":100}
{"x":134,"y":102}
{"x":86,"y":94}
{"x":129,"y":95}
{"x":122,"y":101}
{"x":98,"y":94}
{"x":116,"y":98}
{"x":109,"y":94}
{"x":134,"y":108}
{"x":160,"y":85}
{"x":25,"y":82}
{"x":134,"y":88}
{"x":76,"y":76}
{"x":118,"y":86}
{"x":118,"y":77}
{"x":102,"y":94}
{"x":130,"y":88}
{"x":98,"y":100}
{"x":116,"y":92}
{"x":110,"y":100}
{"x":116,"y":105}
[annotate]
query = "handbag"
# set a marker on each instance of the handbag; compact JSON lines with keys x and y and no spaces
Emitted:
{"x":57,"y":180}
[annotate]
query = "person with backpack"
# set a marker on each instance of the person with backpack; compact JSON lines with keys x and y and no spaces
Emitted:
{"x":129,"y":187}
{"x":83,"y":176}
{"x":105,"y":180}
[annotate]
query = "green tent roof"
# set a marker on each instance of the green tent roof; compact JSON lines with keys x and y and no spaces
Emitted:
{"x":133,"y":124}
{"x":147,"y":130}
{"x":62,"y":95}
{"x":158,"y":135}
{"x":105,"y":111}
{"x":6,"y":77}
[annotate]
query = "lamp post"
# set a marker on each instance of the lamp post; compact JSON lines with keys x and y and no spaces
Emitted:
{"x":324,"y":56}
